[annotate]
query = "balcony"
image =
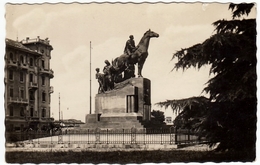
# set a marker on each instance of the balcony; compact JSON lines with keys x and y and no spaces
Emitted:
{"x":15,"y":118}
{"x":11,"y":63}
{"x":22,"y":65}
{"x":33,"y":85}
{"x":47,"y":71}
{"x":18,"y":100}
{"x":33,"y":118}
{"x":51,"y":89}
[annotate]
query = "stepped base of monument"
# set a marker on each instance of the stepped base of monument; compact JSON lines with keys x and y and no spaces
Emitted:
{"x":114,"y":121}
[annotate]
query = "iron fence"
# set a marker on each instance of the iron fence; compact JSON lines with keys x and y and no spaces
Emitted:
{"x":98,"y":136}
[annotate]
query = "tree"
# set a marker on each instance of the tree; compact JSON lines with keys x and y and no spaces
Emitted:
{"x":157,"y":119}
{"x":228,"y":116}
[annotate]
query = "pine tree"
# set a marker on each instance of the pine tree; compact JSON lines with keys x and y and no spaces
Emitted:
{"x":228,"y":116}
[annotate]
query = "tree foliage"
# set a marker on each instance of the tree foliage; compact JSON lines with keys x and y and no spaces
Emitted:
{"x":158,"y":117}
{"x":229,"y":115}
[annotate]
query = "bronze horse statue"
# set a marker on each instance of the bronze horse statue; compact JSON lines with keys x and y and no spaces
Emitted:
{"x":139,"y":56}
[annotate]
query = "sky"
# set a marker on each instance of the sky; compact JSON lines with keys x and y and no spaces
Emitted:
{"x":71,"y":27}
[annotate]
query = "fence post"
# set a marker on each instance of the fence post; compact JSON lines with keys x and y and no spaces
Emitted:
{"x":171,"y":135}
{"x":97,"y":132}
{"x":88,"y":136}
{"x":38,"y":137}
{"x":144,"y":132}
{"x":133,"y":135}
{"x":123,"y":136}
{"x":107,"y":136}
{"x":60,"y":137}
{"x":161,"y":135}
{"x":30,"y":138}
{"x":51,"y":139}
{"x":188,"y":135}
{"x":68,"y":137}
{"x":176,"y":138}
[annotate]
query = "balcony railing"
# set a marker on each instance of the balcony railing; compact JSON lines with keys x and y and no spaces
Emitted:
{"x":33,"y":85}
{"x":18,"y":100}
{"x":47,"y":71}
{"x":22,"y":65}
{"x":51,"y":89}
{"x":14,"y":117}
{"x":34,"y":118}
{"x":17,"y":64}
{"x":11,"y":63}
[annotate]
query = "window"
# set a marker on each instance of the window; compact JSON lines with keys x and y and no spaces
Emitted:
{"x":31,"y":62}
{"x":43,"y":96}
{"x":31,"y":95}
{"x":21,"y":59}
{"x":11,"y":74}
{"x":43,"y":80}
{"x":11,"y":109}
{"x":43,"y":65}
{"x":21,"y":93}
{"x":43,"y":112}
{"x":31,"y":111}
{"x":31,"y":77}
{"x":11,"y":92}
{"x":21,"y":111}
{"x":21,"y":76}
{"x":11,"y":55}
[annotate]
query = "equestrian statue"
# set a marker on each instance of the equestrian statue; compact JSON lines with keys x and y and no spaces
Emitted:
{"x":125,"y":63}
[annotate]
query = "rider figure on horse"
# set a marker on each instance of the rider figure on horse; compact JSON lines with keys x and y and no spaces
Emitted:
{"x":129,"y":49}
{"x":130,"y":46}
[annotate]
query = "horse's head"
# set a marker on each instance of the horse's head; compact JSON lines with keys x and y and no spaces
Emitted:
{"x":151,"y":34}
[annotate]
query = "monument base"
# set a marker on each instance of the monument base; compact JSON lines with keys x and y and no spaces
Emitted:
{"x":127,"y":106}
{"x":114,"y":121}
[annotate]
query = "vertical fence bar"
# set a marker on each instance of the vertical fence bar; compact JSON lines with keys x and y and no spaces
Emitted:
{"x":133,"y":135}
{"x":176,"y":136}
{"x":188,"y":135}
{"x":107,"y":136}
{"x":161,"y":135}
{"x":69,"y":137}
{"x":170,"y":135}
{"x":144,"y":131}
{"x":123,"y":135}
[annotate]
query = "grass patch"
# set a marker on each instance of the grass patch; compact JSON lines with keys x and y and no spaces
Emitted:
{"x":124,"y":157}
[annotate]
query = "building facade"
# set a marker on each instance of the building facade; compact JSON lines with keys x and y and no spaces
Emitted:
{"x":27,"y":84}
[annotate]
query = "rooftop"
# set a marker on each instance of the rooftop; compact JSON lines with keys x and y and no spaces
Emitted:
{"x":16,"y":44}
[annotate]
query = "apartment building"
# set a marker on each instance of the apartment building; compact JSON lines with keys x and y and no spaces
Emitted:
{"x":27,"y":84}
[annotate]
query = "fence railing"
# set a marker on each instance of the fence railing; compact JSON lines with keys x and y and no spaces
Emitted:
{"x":97,"y":136}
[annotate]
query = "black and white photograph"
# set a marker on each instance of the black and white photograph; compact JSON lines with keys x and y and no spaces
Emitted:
{"x":129,"y":82}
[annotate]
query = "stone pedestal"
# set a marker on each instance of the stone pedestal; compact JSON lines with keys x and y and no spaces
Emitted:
{"x":127,"y":106}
